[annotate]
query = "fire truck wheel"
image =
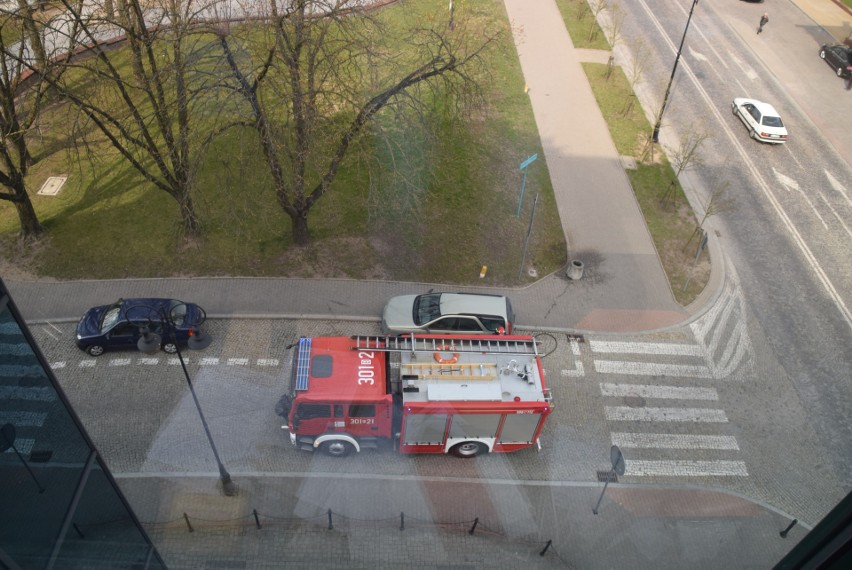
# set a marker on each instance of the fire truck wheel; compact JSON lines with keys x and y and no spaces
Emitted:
{"x":467,"y":449}
{"x":337,"y":448}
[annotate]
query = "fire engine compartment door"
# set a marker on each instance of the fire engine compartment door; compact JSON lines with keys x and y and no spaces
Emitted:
{"x":519,"y":428}
{"x":474,"y":425}
{"x":425,"y":429}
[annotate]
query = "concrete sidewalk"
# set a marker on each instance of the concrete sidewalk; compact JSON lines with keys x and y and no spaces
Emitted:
{"x":447,"y":522}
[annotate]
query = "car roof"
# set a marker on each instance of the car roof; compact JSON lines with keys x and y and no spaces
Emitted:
{"x":473,"y":303}
{"x":764,"y":108}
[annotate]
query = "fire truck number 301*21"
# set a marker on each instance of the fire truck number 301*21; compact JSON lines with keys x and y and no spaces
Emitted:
{"x":416,"y":393}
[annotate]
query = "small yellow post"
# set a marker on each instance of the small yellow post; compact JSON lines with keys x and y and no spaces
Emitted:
{"x":483,"y":271}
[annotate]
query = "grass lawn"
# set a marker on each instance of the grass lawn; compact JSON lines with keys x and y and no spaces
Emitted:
{"x":429,"y":201}
{"x":409,"y":203}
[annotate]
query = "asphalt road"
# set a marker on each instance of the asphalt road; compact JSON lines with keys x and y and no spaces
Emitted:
{"x":787,"y":238}
{"x":688,"y":406}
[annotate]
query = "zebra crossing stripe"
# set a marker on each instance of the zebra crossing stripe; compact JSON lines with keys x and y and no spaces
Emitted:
{"x":673,"y":441}
{"x":34,"y":394}
{"x":661,"y":392}
{"x":620,"y":347}
{"x":23,"y":445}
{"x":685,"y":468}
{"x":23,"y":419}
{"x":652,"y":369}
{"x":702,"y":415}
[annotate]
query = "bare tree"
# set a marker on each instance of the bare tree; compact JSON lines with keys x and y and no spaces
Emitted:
{"x":717,"y":202}
{"x":145,"y":111}
{"x":17,"y":115}
{"x":32,"y":33}
{"x":684,"y":157}
{"x":596,"y":7}
{"x":310,"y":100}
{"x":613,"y":34}
{"x":634,"y":70}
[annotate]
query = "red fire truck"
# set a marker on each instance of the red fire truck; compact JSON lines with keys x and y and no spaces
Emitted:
{"x":416,"y":393}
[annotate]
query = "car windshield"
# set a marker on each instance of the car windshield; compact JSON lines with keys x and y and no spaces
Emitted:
{"x":770,"y":121}
{"x":110,"y":318}
{"x":427,"y":308}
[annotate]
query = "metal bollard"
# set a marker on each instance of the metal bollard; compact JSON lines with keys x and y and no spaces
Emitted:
{"x":330,"y":526}
{"x":473,"y":528}
{"x":188,"y":524}
{"x":784,"y":532}
{"x":256,"y":519}
{"x":546,"y":546}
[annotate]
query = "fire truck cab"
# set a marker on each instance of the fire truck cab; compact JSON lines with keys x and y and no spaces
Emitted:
{"x":417,"y":394}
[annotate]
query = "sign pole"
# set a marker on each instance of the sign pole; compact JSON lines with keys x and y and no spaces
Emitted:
{"x":523,"y":167}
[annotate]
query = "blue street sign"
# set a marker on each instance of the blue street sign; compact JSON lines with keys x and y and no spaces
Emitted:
{"x":528,"y":161}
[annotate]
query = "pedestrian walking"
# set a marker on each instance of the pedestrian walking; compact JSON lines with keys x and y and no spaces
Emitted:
{"x":763,"y":20}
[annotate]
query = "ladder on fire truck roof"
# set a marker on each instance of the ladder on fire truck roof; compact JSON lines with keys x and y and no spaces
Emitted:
{"x":410,"y":343}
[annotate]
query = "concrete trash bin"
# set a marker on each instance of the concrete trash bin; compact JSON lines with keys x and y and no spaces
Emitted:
{"x":575,"y":270}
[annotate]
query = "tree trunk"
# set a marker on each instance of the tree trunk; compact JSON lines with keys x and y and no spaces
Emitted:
{"x":191,"y":225}
{"x":34,"y":35}
{"x":301,"y":233}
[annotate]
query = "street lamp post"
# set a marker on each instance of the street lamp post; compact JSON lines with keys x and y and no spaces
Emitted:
{"x":150,"y":343}
{"x":656,"y":136}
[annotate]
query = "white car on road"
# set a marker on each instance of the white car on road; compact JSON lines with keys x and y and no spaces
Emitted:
{"x":761,"y":119}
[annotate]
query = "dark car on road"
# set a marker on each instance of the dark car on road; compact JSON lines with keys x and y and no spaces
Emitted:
{"x":121,"y":324}
{"x":838,"y":57}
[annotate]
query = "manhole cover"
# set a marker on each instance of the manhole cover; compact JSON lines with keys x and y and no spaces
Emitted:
{"x":52,"y":185}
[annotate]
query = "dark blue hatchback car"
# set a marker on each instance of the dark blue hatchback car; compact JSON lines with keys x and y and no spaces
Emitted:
{"x":121,"y":325}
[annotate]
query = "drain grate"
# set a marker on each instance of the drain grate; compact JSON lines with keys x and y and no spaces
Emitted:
{"x":604,"y":476}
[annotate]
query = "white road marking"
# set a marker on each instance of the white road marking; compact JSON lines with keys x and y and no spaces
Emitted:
{"x":747,"y":70}
{"x":838,"y":186}
{"x":34,"y":393}
{"x":90,"y":363}
{"x":652,"y":369}
{"x":119,"y":362}
{"x":238,"y":361}
{"x":836,"y":215}
{"x":209,"y":361}
{"x":791,"y":184}
{"x":148,"y":361}
{"x":764,"y":187}
{"x":645,"y":348}
{"x":662,"y":392}
{"x":267,"y":362}
{"x":56,"y":365}
{"x":24,"y":446}
{"x":577,"y":372}
{"x":697,"y":415}
{"x":673,"y":441}
{"x":575,"y":346}
{"x":685,"y":468}
{"x":23,"y":419}
{"x":175,"y":361}
{"x":697,"y":56}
